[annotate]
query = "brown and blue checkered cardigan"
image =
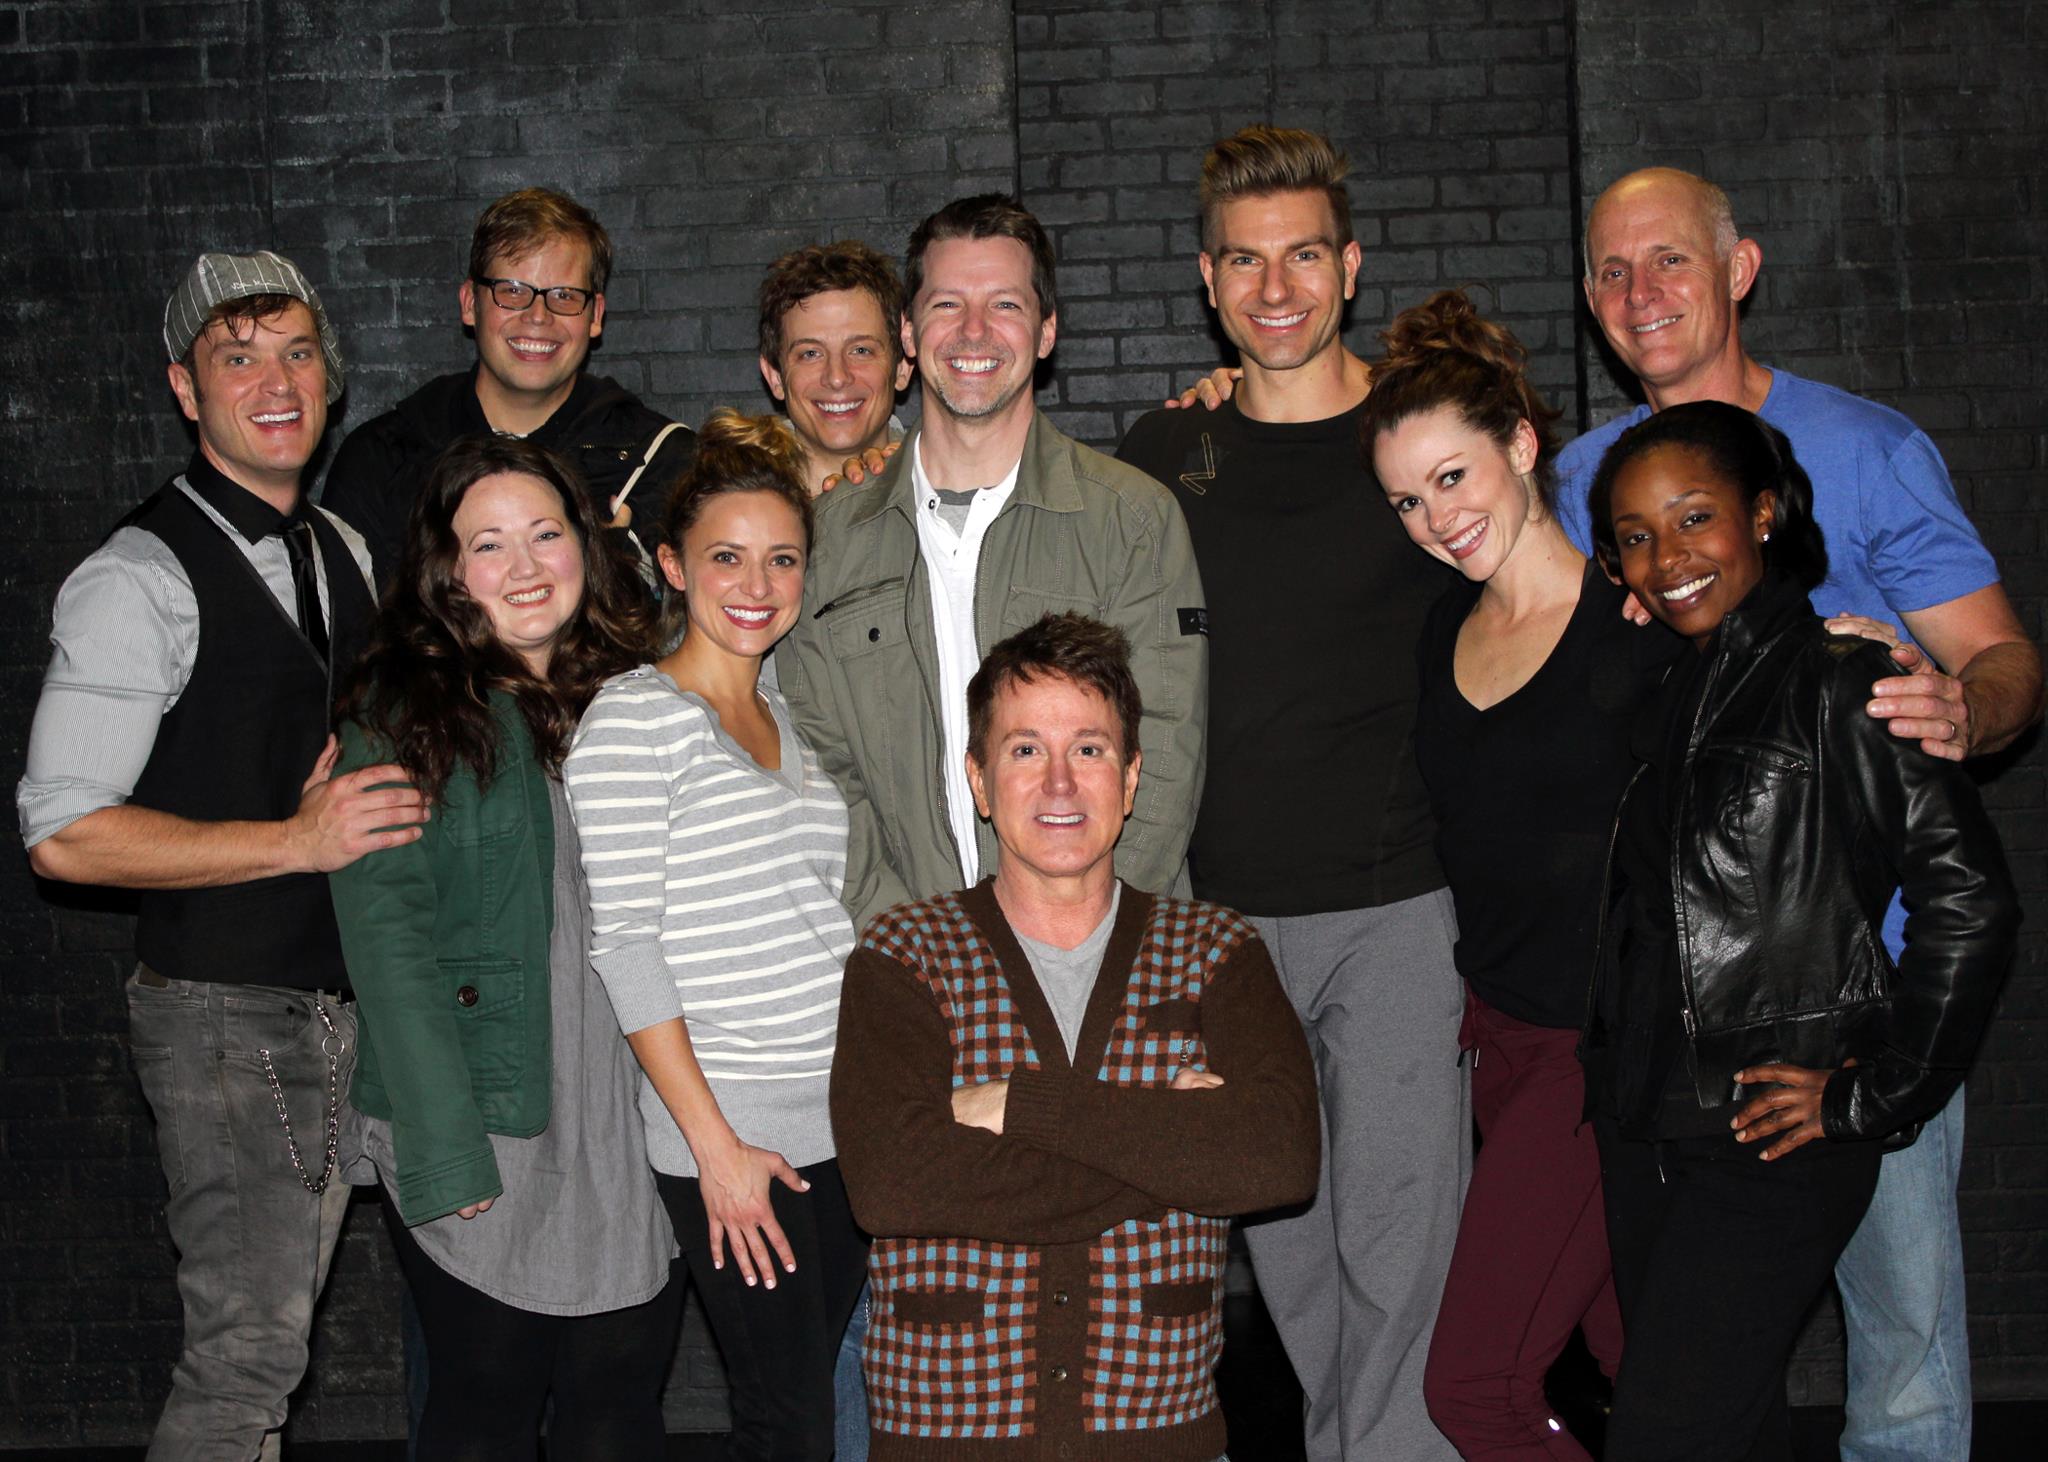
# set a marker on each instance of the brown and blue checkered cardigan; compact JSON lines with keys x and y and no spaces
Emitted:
{"x":1056,"y":1291}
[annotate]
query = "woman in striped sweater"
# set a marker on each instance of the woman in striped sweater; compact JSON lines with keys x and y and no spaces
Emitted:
{"x":715,"y":849}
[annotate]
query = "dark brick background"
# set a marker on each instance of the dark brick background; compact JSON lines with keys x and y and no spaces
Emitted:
{"x":361,"y":137}
{"x":1453,"y":113}
{"x":1889,"y":156}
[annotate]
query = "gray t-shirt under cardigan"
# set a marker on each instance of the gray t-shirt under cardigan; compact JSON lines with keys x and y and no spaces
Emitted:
{"x":1067,"y":976}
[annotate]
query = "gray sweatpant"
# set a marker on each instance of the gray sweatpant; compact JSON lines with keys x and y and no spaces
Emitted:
{"x":1353,"y":1282}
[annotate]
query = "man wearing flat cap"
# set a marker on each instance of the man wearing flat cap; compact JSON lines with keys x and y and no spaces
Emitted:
{"x":181,"y":748}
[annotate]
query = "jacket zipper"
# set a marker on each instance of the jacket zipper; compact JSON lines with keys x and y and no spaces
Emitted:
{"x":1600,"y":928}
{"x":1688,"y":1015}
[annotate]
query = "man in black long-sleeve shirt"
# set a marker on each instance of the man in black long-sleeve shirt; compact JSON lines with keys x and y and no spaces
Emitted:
{"x":534,"y":298}
{"x":1313,"y":819}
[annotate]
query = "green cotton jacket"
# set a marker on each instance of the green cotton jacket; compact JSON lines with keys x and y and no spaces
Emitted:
{"x":1081,"y":532}
{"x":446,"y":940}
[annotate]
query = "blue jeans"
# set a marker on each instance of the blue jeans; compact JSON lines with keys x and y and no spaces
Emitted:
{"x":849,"y":1389}
{"x":1903,"y":1305}
{"x":253,"y":1244}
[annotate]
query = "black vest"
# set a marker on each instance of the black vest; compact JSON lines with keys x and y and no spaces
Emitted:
{"x":238,"y":745}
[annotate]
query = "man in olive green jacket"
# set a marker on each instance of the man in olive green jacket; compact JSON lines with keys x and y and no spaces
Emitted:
{"x":986,"y":519}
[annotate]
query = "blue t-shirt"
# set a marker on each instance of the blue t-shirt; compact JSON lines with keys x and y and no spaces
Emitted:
{"x":1898,"y":541}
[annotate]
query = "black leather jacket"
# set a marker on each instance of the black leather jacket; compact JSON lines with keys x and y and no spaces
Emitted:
{"x":1796,"y":817}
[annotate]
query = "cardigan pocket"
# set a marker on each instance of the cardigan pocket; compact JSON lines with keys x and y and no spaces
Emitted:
{"x":938,"y":1306}
{"x":1179,"y":1300}
{"x":489,"y":999}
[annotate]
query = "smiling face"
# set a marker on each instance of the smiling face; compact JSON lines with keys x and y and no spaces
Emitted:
{"x":1662,"y":285}
{"x":1056,"y":786}
{"x":518,"y":557}
{"x":975,"y":329}
{"x":740,"y":568}
{"x":258,"y":393}
{"x":1461,"y":496}
{"x":838,"y":375}
{"x":1690,"y":548}
{"x":1277,"y":280}
{"x":531,"y":357}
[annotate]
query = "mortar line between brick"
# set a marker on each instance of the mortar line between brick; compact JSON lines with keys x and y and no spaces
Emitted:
{"x":1575,"y":190}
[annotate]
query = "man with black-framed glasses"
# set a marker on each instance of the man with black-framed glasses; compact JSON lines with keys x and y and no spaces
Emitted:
{"x":534,"y":300}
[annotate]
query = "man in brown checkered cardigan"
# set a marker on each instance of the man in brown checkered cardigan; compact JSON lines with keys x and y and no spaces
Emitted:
{"x":1051,"y":1092}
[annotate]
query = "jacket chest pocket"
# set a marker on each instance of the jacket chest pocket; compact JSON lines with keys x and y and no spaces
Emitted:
{"x":883,"y":697}
{"x":1743,"y":779}
{"x":472,"y":819}
{"x":868,"y":622}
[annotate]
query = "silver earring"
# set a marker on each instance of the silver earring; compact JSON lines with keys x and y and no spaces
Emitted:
{"x":1767,"y":535}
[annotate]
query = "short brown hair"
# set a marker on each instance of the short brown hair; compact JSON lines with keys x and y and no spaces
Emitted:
{"x":521,"y":222}
{"x":1262,"y":160}
{"x":819,"y":269}
{"x":1072,"y":647}
{"x":985,"y":216}
{"x":248,"y":309}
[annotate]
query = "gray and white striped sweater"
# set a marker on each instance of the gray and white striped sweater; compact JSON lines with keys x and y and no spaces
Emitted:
{"x":714,"y":888}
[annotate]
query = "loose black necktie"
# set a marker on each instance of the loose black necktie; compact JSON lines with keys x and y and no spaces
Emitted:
{"x":298,"y":542}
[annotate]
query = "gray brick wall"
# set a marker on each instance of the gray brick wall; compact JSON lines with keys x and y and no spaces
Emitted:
{"x":1890,"y":159}
{"x":1888,"y":155}
{"x":1453,"y":113}
{"x":362,"y":137}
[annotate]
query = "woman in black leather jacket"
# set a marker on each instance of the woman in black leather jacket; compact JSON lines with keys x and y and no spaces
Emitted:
{"x":1746,"y":1008}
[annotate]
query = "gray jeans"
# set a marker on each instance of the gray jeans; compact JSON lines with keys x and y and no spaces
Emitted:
{"x":1353,"y":1282}
{"x":253,"y":1244}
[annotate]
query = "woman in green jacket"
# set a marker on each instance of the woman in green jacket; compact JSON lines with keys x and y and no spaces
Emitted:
{"x":496,"y":1093}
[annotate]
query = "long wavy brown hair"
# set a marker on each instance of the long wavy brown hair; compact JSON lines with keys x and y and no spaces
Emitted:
{"x":422,"y":689}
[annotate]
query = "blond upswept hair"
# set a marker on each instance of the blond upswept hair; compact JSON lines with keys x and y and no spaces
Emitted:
{"x":1261,"y":160}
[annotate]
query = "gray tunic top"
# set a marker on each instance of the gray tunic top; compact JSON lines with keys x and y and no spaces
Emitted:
{"x":579,"y":1228}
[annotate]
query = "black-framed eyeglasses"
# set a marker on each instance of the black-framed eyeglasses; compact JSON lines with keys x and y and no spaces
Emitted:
{"x":517,"y":294}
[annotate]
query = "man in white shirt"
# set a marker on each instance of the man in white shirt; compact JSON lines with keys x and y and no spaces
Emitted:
{"x":987,"y":519}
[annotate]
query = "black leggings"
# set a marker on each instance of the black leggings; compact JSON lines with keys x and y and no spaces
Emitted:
{"x":1718,"y":1255}
{"x":491,"y":1368}
{"x":780,"y":1344}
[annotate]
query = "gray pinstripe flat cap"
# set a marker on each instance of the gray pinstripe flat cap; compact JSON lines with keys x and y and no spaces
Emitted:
{"x":216,"y":278}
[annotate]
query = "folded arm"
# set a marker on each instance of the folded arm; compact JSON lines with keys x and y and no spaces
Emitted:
{"x":1253,"y":1142}
{"x":910,"y":1168}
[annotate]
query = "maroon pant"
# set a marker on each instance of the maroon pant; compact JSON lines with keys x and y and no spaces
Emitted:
{"x":1531,"y":1261}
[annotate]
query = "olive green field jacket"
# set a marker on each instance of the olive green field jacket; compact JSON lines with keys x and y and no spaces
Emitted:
{"x":1082,"y":531}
